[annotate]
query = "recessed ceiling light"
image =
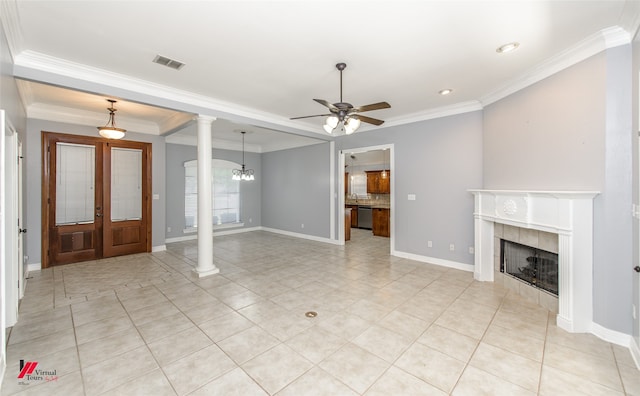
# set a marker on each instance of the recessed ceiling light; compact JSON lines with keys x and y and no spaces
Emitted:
{"x":507,"y":47}
{"x":446,"y":91}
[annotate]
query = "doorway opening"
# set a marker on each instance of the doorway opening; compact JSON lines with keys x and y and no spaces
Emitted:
{"x":366,"y":194}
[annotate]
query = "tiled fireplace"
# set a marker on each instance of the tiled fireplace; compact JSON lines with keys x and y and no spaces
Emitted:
{"x":530,"y":214}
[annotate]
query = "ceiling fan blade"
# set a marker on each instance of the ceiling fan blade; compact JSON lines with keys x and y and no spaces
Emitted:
{"x":327,"y":104}
{"x":368,"y":120}
{"x":317,"y":115}
{"x":370,"y":107}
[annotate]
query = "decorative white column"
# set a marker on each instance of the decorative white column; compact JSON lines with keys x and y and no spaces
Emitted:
{"x":205,"y":265}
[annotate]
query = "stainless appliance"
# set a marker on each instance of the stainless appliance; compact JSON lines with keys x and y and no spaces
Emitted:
{"x":364,"y":217}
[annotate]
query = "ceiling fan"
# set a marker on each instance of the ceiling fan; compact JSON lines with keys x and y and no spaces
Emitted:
{"x":345,"y":113}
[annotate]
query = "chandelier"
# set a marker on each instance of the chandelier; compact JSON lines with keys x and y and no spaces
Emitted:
{"x":243,"y":174}
{"x":110,"y":131}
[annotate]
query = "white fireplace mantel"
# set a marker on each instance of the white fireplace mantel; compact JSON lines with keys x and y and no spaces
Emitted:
{"x":566,"y":213}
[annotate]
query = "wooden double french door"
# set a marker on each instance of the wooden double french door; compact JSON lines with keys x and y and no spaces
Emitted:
{"x":96,"y":198}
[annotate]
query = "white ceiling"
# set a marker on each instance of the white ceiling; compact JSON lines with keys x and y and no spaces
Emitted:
{"x":267,"y":60}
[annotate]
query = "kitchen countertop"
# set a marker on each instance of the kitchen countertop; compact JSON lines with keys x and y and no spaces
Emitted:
{"x":372,"y":203}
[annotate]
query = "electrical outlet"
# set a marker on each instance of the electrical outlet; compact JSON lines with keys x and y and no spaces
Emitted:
{"x":429,"y":243}
{"x":168,"y":229}
{"x":452,"y":247}
{"x":250,"y":220}
{"x":471,"y":250}
{"x":634,"y":312}
{"x":302,"y":225}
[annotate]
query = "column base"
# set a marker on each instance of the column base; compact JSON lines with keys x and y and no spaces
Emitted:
{"x":202,"y":274}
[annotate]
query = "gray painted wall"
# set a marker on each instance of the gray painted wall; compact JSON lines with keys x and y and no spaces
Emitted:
{"x":33,"y":171}
{"x":438,"y":161}
{"x":549,"y":136}
{"x":251,"y":192}
{"x":295,"y":190}
{"x":572,"y":131}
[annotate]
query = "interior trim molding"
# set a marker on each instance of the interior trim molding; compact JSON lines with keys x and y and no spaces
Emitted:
{"x":32,"y":60}
{"x":301,"y":236}
{"x":439,"y":112}
{"x":434,"y":260}
{"x":33,"y":267}
{"x":598,"y":42}
{"x":159,"y":248}
{"x":635,"y":351}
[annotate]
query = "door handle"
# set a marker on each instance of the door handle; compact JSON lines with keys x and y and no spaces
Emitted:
{"x":22,"y":230}
{"x":636,"y":268}
{"x":98,"y":214}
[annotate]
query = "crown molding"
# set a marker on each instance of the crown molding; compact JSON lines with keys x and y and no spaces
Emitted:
{"x":438,"y":112}
{"x":594,"y":44}
{"x":69,"y":115}
{"x":606,"y":38}
{"x":630,"y":18}
{"x":11,"y":26}
{"x":61,"y":67}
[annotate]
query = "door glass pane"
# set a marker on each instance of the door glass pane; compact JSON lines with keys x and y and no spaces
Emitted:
{"x":126,"y":184}
{"x":75,"y":194}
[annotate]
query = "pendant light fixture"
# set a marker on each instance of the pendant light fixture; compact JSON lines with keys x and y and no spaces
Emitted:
{"x":243,"y":174}
{"x":110,"y":131}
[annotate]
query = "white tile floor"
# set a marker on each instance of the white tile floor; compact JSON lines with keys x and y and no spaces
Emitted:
{"x":386,"y":326}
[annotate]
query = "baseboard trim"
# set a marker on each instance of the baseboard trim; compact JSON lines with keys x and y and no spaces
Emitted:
{"x":236,"y":231}
{"x":159,"y":248}
{"x":34,"y":267}
{"x":434,"y":260}
{"x":612,"y":336}
{"x":194,"y":236}
{"x":301,"y":236}
{"x":635,"y":351}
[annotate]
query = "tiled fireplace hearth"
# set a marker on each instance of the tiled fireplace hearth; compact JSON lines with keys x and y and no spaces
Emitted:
{"x":569,"y":214}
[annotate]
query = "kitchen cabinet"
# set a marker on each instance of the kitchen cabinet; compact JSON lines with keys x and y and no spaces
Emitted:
{"x":354,"y":215}
{"x":346,"y":183}
{"x":381,"y":218}
{"x":347,"y":224}
{"x":376,"y":184}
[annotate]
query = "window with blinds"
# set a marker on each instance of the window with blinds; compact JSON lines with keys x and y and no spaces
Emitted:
{"x":75,"y":183}
{"x":225,"y":197}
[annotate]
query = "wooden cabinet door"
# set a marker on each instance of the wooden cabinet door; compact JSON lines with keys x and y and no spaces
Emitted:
{"x":354,"y":215}
{"x":381,"y":222}
{"x":384,"y":183}
{"x":373,"y":182}
{"x":346,"y":182}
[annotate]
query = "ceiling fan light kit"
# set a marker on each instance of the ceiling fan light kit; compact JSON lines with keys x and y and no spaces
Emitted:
{"x":344,"y":113}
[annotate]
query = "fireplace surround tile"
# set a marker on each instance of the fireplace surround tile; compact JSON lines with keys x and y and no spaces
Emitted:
{"x":569,"y":214}
{"x":530,"y":237}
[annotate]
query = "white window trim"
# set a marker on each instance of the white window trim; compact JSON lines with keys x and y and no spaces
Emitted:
{"x":193,"y":230}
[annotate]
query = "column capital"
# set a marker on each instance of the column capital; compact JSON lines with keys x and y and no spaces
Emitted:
{"x":205,"y":119}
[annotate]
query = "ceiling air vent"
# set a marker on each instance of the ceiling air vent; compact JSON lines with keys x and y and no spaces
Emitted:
{"x":163,"y":60}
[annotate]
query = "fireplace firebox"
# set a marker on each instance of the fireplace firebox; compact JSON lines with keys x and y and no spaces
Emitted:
{"x":534,"y":266}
